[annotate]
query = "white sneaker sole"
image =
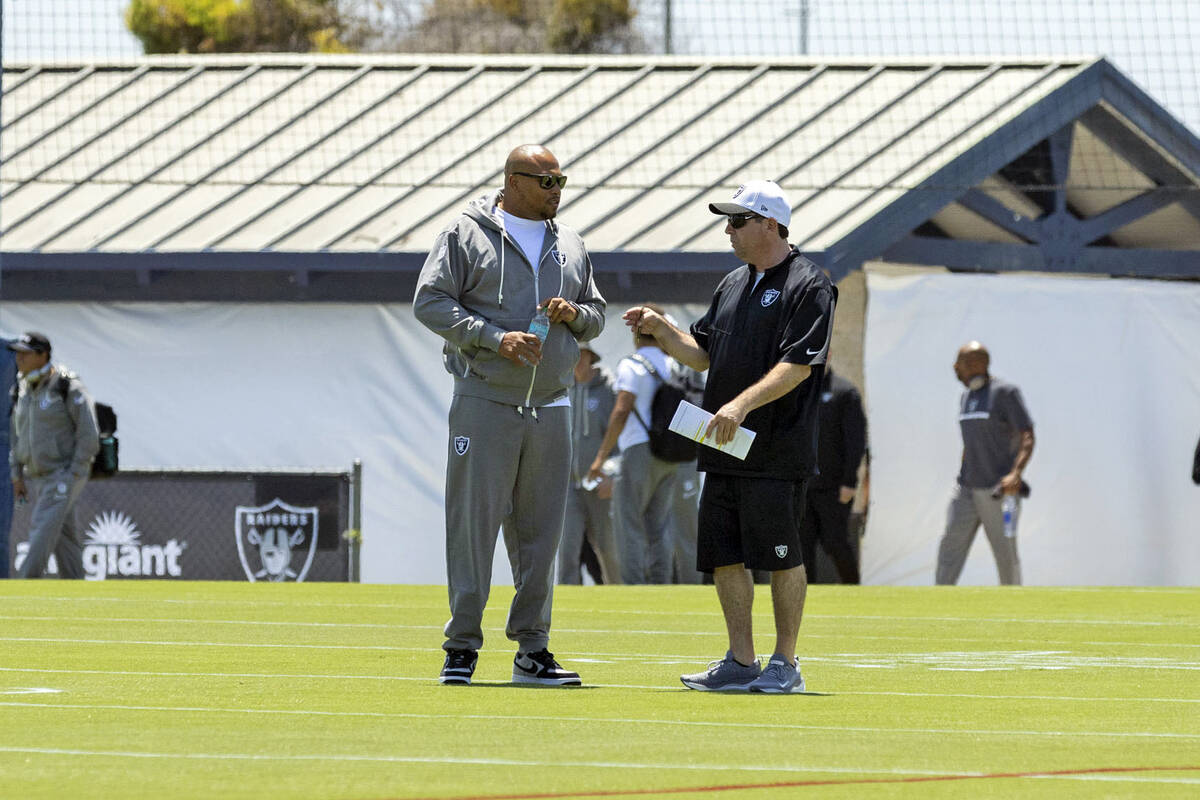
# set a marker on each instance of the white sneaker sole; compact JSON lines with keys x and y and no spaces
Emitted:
{"x":798,"y":688}
{"x":729,"y":687}
{"x":520,"y":677}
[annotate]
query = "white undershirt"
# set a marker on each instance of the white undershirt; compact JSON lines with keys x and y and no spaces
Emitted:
{"x":528,"y":233}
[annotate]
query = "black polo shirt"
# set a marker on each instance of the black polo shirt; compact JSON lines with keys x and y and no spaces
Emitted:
{"x":747,"y":330}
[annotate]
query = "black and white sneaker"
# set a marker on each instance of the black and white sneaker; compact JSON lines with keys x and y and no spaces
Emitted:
{"x":459,"y":666}
{"x":542,"y":669}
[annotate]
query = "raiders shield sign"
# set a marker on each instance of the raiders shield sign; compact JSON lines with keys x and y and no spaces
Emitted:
{"x":769,"y":296}
{"x":461,"y":443}
{"x":781,"y":550}
{"x":276,"y":542}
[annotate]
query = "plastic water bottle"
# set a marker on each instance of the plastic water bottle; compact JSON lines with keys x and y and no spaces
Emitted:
{"x":607,"y":470}
{"x":1008,"y":507}
{"x":539,"y":326}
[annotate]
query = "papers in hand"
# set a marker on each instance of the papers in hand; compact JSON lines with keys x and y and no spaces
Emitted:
{"x":691,"y":420}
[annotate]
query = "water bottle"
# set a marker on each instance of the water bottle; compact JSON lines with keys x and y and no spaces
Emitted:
{"x":607,"y":470}
{"x":539,"y":326}
{"x":1008,"y":507}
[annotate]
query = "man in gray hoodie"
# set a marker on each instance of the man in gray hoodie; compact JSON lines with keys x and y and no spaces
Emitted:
{"x":55,"y":437}
{"x":490,"y":275}
{"x":589,"y":503}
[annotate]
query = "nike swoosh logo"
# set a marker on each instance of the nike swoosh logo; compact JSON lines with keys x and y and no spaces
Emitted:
{"x":814,"y":352}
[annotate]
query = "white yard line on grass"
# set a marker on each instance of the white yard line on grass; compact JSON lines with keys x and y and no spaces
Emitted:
{"x":506,"y":762}
{"x":841,"y":636}
{"x":941,"y":660}
{"x":271,"y":676}
{"x":567,"y":608}
{"x":673,"y":723}
{"x":503,"y":762}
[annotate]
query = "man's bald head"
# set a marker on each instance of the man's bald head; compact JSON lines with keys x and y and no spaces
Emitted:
{"x":973,"y":360}
{"x":529,"y":158}
{"x":523,"y":193}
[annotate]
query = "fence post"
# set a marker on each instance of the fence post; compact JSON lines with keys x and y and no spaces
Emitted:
{"x":355,"y":532}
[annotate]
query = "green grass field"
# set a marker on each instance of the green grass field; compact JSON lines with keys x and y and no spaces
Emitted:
{"x":154,"y":689}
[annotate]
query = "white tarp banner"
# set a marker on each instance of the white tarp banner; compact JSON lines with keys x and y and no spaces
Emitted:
{"x":1110,"y":372}
{"x":285,"y":385}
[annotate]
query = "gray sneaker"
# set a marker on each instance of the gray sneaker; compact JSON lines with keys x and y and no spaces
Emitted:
{"x":779,"y":677}
{"x":725,"y":675}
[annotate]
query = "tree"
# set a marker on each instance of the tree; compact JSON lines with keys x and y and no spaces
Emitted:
{"x":590,"y":26}
{"x":524,"y":26}
{"x":239,"y":26}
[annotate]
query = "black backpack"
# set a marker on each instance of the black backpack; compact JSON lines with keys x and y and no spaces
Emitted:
{"x":666,"y":444}
{"x":106,"y":461}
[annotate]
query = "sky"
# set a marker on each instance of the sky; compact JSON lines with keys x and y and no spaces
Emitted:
{"x":1152,"y":41}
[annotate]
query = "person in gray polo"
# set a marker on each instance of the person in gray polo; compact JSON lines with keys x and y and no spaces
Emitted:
{"x":997,"y":445}
{"x":54,"y":438}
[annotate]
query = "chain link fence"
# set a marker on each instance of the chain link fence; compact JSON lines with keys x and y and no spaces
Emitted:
{"x":1154,"y":41}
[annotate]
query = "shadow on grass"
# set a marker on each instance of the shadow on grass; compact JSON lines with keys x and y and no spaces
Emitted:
{"x":511,"y":685}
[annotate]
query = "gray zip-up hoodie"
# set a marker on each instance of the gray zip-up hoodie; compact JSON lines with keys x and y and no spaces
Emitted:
{"x":476,"y":285}
{"x":52,"y":436}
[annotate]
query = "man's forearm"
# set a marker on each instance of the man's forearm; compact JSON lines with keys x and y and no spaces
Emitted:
{"x":612,"y":434}
{"x":682,"y":347}
{"x":1024,"y":453}
{"x":781,"y":379}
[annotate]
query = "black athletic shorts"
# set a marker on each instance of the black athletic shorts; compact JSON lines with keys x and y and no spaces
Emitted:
{"x":751,"y":521}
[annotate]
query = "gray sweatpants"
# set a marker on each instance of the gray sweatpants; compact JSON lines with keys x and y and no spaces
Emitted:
{"x":53,"y":528}
{"x":588,"y":515}
{"x":969,"y":508}
{"x":510,"y":469}
{"x":685,"y":521}
{"x":643,"y":497}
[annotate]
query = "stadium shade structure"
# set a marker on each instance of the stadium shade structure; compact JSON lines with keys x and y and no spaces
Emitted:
{"x":313,"y":177}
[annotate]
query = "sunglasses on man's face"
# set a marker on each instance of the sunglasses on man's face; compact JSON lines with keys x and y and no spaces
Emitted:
{"x":737,"y":221}
{"x":546,"y":181}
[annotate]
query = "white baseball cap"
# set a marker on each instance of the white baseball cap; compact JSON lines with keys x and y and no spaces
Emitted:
{"x":764,"y":198}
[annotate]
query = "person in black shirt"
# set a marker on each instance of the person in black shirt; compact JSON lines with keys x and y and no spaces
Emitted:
{"x":763,"y":341}
{"x":840,"y":447}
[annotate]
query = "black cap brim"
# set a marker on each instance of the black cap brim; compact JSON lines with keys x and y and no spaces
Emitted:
{"x":725,"y":209}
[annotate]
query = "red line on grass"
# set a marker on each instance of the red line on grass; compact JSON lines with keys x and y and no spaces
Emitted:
{"x":826,"y":782}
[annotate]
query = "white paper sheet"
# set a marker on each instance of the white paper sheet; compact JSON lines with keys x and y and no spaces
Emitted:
{"x":691,"y":420}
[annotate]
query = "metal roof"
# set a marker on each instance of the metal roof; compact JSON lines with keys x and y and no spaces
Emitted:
{"x":347,"y":155}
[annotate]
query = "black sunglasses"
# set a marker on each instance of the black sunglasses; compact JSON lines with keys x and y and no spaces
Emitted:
{"x":739,"y":220}
{"x":546,"y":181}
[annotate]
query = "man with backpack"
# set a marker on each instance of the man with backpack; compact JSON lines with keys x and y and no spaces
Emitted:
{"x":644,"y":490}
{"x":54,"y":440}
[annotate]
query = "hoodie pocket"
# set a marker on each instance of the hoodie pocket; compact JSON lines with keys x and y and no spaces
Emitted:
{"x":488,"y":365}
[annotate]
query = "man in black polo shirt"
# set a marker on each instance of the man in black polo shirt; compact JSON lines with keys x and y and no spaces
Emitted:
{"x":997,"y":437}
{"x":763,"y":341}
{"x":840,"y":449}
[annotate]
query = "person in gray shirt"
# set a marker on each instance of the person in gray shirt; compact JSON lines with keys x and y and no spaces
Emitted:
{"x":589,"y":503}
{"x":997,"y":445}
{"x":55,"y":437}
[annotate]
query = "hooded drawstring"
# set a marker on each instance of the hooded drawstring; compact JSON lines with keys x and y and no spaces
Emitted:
{"x":503,"y":233}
